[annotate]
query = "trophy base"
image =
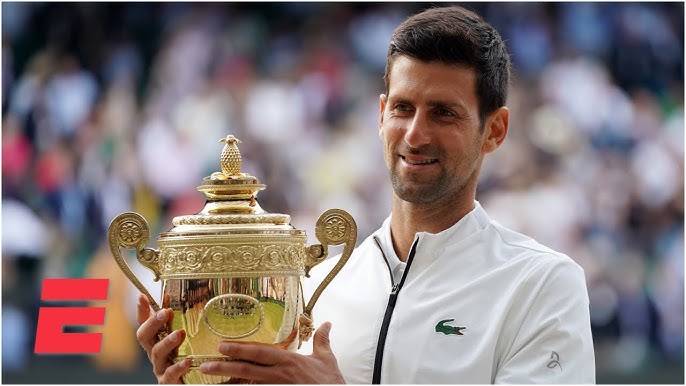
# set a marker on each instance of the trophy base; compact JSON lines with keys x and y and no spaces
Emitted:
{"x":195,"y":377}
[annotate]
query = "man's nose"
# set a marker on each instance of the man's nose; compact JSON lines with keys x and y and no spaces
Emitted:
{"x":417,"y":133}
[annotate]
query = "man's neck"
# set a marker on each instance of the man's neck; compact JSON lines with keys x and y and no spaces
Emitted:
{"x":407,"y":219}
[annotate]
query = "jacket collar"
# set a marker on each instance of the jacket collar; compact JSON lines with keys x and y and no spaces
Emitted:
{"x":432,"y":245}
{"x":472,"y":222}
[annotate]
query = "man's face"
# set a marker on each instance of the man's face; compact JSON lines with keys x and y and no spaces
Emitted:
{"x":429,"y":123}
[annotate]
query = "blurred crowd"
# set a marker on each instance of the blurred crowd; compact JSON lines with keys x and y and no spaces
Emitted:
{"x":114,"y":107}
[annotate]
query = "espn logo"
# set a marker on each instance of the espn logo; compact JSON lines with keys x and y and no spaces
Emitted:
{"x":50,"y":335}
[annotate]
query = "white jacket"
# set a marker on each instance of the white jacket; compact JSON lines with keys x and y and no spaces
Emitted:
{"x":479,"y":304}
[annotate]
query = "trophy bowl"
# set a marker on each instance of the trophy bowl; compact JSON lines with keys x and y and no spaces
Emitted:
{"x":232,"y":271}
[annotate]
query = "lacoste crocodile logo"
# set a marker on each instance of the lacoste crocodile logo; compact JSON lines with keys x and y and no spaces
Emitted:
{"x":449,"y":330}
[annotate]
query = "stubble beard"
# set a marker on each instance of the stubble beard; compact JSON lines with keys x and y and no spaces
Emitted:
{"x":422,"y":192}
{"x":444,"y":187}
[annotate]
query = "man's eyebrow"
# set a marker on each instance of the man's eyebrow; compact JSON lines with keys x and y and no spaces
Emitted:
{"x":399,"y":100}
{"x":445,"y":104}
{"x":433,"y":103}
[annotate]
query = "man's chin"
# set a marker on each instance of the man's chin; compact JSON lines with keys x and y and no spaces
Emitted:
{"x":416,"y":194}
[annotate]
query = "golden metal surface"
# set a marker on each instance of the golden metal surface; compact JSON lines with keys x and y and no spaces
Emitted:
{"x":232,"y":271}
{"x":231,"y":157}
{"x":257,"y":309}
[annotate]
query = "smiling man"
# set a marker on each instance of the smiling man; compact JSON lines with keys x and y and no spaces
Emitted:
{"x":441,"y":293}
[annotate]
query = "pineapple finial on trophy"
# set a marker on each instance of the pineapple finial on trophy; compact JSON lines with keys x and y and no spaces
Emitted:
{"x":231,"y":156}
{"x":230,"y":186}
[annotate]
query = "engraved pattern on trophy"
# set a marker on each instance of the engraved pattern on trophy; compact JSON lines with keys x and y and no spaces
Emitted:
{"x":233,"y":316}
{"x":335,"y":228}
{"x":232,"y":270}
{"x":130,"y":233}
{"x":273,"y":218}
{"x":278,"y":258}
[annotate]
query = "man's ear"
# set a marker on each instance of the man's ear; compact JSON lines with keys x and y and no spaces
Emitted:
{"x":497,"y":125}
{"x":382,"y":106}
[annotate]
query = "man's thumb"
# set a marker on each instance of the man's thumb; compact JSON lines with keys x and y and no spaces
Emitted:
{"x":321,"y":340}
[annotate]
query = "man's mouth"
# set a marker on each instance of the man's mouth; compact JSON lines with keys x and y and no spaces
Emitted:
{"x":418,"y":160}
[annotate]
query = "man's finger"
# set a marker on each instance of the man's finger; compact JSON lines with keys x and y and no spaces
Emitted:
{"x":259,"y":353}
{"x":147,"y":332}
{"x":143,"y":312}
{"x":243,"y":370}
{"x":320,"y":342}
{"x":161,"y":352}
{"x":174,"y":372}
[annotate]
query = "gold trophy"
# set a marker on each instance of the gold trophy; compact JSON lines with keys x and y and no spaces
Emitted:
{"x":232,"y":271}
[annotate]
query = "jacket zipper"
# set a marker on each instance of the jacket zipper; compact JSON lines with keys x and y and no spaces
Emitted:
{"x":378,"y":360}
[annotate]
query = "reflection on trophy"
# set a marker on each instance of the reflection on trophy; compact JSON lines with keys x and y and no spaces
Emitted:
{"x":232,"y":271}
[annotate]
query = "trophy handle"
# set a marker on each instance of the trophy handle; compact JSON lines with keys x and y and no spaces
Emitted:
{"x":334,"y":227}
{"x":130,"y":230}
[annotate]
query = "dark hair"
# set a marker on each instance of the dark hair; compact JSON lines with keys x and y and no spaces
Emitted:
{"x":454,"y":35}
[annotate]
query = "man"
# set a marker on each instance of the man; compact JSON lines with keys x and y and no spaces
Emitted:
{"x":440,"y":293}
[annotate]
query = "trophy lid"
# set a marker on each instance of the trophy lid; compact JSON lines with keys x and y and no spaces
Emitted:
{"x":230,"y":198}
{"x":231,"y":236}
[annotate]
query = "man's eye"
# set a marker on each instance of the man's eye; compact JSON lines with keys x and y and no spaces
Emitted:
{"x":401,"y":107}
{"x":444,"y":112}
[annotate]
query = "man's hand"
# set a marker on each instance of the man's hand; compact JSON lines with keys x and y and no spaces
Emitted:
{"x":160,"y":352}
{"x":264,"y":364}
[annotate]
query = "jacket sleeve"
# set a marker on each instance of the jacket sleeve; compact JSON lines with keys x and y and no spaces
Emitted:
{"x":553,"y":342}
